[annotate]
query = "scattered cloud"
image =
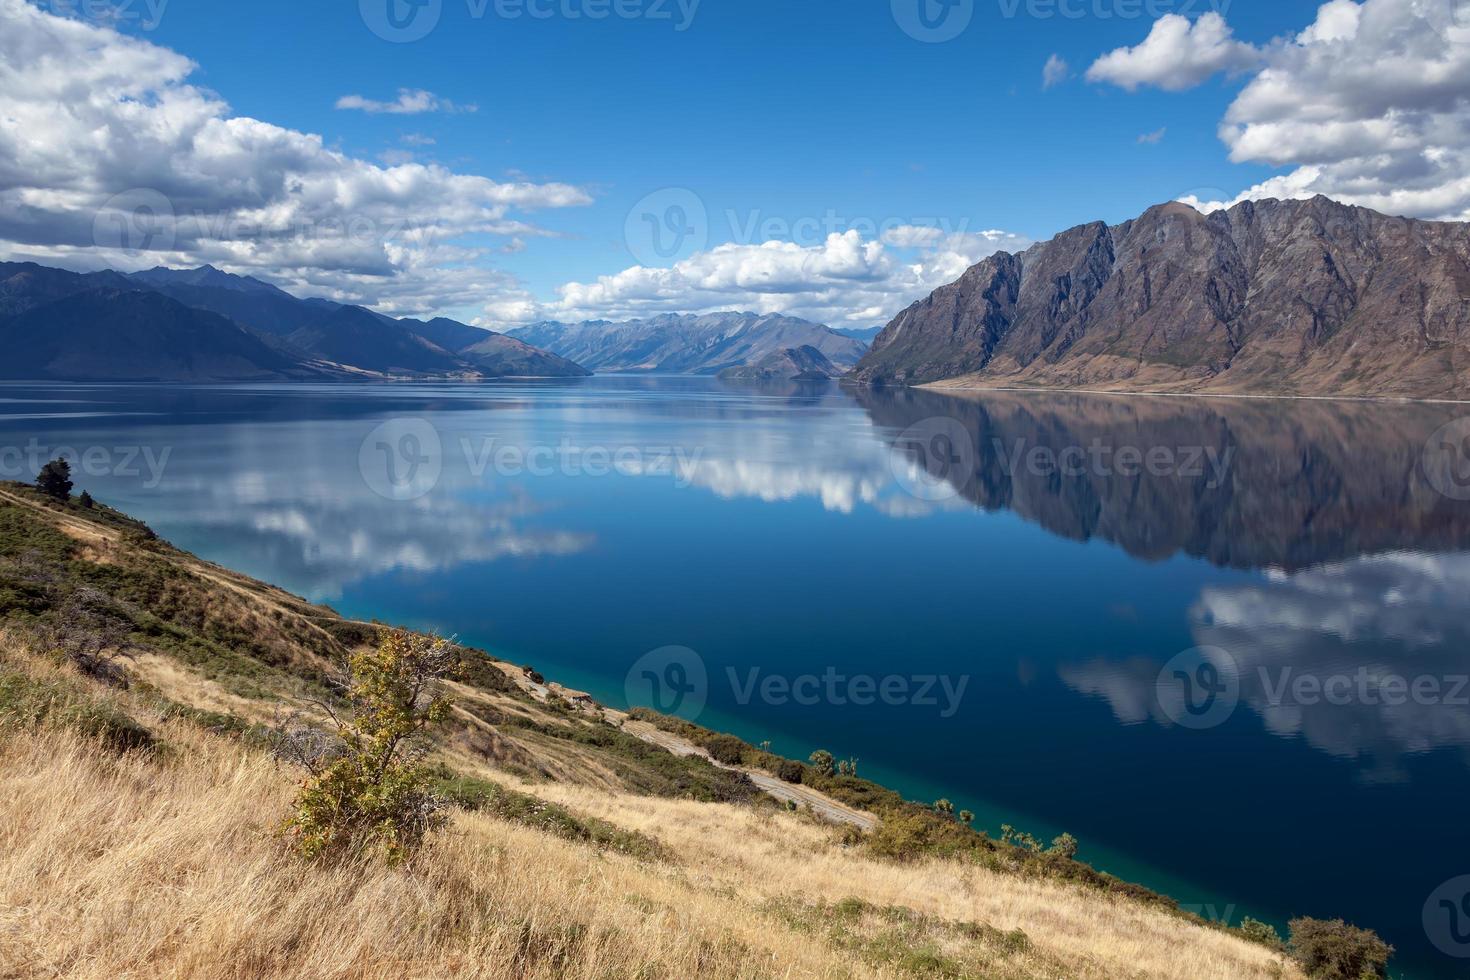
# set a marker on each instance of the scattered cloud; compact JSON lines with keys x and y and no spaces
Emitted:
{"x":410,"y":102}
{"x":1176,"y":55}
{"x":1054,"y":72}
{"x":845,"y":280}
{"x":417,"y":139}
{"x":1156,"y":136}
{"x":110,"y":157}
{"x":1369,"y":104}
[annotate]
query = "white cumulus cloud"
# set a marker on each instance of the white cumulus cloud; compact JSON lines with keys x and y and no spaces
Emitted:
{"x":98,"y":128}
{"x":845,"y":280}
{"x":1176,"y":55}
{"x":1368,"y":104}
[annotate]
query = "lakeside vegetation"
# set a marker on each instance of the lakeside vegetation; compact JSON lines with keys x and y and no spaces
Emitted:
{"x":155,"y":709}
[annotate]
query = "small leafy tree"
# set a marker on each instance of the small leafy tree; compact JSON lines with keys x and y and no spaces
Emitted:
{"x":944,"y":806}
{"x":966,"y":817}
{"x":823,"y":762}
{"x":367,"y":790}
{"x":1018,"y":838}
{"x":85,"y":500}
{"x":1337,"y":951}
{"x":1260,"y":932}
{"x":847,"y":767}
{"x":1063,"y":846}
{"x":54,"y":480}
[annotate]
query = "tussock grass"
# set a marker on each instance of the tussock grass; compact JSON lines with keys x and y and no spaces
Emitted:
{"x":139,"y":828}
{"x":167,"y":863}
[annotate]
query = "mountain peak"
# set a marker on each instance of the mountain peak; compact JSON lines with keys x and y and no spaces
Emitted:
{"x":1251,"y":300}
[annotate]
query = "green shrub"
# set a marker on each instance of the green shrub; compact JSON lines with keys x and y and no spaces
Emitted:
{"x":824,"y":763}
{"x":366,"y":792}
{"x":1334,"y":950}
{"x":483,"y":796}
{"x":725,"y":748}
{"x":789,"y":770}
{"x":28,"y":703}
{"x":1260,"y":932}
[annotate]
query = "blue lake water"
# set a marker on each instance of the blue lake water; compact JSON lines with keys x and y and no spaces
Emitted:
{"x":1222,"y":642}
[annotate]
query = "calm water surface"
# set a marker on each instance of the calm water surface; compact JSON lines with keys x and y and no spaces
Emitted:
{"x":819,"y":533}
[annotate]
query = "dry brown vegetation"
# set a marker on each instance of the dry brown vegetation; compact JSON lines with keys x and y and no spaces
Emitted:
{"x":140,"y":837}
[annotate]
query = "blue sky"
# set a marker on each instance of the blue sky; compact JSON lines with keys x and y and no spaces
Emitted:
{"x":779,"y":121}
{"x":782,"y":109}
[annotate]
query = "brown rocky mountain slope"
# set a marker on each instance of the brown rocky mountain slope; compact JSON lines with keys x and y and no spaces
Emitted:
{"x":1268,"y":297}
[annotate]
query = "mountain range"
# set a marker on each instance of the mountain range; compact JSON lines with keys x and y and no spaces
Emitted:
{"x":804,"y":363}
{"x":1303,"y":297}
{"x":207,"y":325}
{"x":689,"y":343}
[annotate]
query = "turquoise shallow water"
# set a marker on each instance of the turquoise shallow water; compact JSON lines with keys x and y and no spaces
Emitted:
{"x":1001,"y":600}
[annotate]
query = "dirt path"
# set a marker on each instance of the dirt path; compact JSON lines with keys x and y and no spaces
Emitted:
{"x":819,"y":803}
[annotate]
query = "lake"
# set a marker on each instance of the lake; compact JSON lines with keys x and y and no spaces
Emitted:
{"x":1222,"y":642}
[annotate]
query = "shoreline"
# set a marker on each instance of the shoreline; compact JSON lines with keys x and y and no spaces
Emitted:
{"x":943,"y":387}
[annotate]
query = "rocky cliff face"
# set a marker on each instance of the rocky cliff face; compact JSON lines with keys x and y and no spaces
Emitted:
{"x":1279,"y":297}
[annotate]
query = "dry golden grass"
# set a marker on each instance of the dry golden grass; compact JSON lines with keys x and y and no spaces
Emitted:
{"x":166,"y":864}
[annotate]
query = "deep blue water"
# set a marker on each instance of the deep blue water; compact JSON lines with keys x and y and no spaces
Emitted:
{"x":1029,"y":624}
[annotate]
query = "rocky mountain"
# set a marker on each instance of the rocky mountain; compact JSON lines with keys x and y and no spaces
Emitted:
{"x":503,"y":356}
{"x":137,"y":335}
{"x":804,"y":363}
{"x":1270,"y":297}
{"x":68,"y":325}
{"x":688,"y":344}
{"x":26,"y":285}
{"x":357,"y":337}
{"x":244,"y":299}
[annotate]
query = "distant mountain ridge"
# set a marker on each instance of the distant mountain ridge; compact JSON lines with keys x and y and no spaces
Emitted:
{"x":1307,"y":297}
{"x":792,"y":364}
{"x":207,"y":325}
{"x":688,"y":343}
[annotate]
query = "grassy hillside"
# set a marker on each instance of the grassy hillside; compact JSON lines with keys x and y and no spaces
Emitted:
{"x":141,"y":807}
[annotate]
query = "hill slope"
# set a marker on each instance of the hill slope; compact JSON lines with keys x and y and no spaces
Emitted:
{"x":1269,"y":297}
{"x":133,"y":335}
{"x":140,"y":808}
{"x":271,"y":335}
{"x":688,"y":344}
{"x":804,"y":363}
